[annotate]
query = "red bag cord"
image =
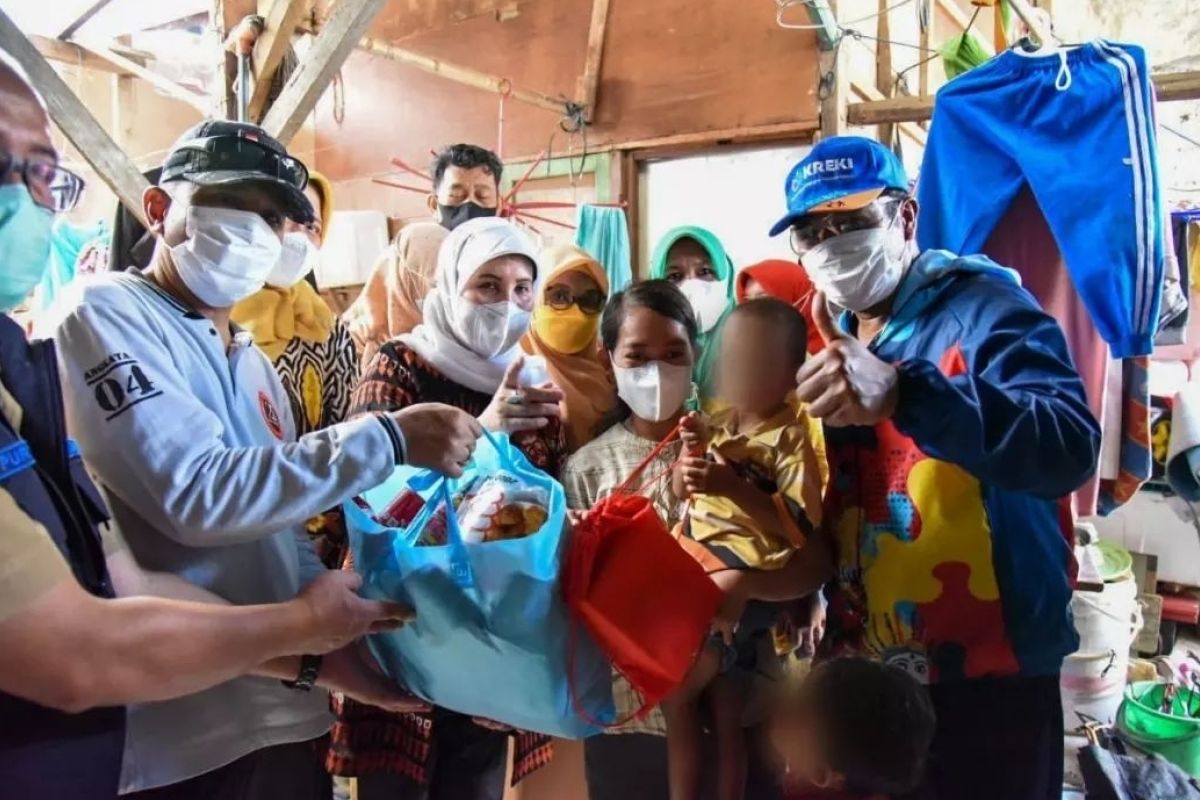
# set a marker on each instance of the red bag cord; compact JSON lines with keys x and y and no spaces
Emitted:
{"x":583,"y":554}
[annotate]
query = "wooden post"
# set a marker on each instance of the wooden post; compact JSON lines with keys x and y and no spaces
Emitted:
{"x":74,"y":120}
{"x":338,"y":37}
{"x":883,"y":66}
{"x":590,"y":82}
{"x":460,"y":74}
{"x":927,"y":37}
{"x":124,"y":109}
{"x":281,"y":17}
{"x":833,"y":86}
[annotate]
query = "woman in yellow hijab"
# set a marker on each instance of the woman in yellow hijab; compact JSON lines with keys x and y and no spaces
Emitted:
{"x":311,"y":349}
{"x":564,"y":330}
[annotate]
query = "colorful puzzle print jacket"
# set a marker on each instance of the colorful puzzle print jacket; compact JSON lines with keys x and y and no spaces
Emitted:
{"x":950,"y":520}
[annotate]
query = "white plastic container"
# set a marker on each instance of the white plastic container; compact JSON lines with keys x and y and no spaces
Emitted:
{"x":1094,"y":677}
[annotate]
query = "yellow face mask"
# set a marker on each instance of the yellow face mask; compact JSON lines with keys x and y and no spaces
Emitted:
{"x":567,"y":331}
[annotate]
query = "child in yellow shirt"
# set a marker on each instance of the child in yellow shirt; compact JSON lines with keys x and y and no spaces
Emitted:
{"x":755,"y":500}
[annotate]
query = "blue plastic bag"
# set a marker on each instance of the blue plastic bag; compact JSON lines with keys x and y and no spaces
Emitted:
{"x":492,"y":637}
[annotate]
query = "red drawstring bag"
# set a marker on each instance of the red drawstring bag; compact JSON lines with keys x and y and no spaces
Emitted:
{"x":647,"y":603}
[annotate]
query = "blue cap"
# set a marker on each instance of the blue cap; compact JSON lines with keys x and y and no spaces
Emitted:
{"x":841,"y":173}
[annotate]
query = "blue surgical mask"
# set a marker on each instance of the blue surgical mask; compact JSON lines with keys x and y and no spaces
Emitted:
{"x":24,"y":244}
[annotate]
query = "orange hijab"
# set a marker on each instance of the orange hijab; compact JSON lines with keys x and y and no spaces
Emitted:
{"x":788,"y":282}
{"x":589,"y":388}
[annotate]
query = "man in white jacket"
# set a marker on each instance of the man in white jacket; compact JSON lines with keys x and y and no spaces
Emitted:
{"x":188,"y":430}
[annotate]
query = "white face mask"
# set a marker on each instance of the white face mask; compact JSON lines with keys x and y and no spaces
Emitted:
{"x":491,"y":329}
{"x":708,"y":300}
{"x":227,"y":255}
{"x":859,"y":269}
{"x":297,"y":258}
{"x":654,"y":391}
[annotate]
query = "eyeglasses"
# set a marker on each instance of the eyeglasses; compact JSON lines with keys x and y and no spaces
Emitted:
{"x":590,"y":302}
{"x":810,"y":231}
{"x":51,"y":186}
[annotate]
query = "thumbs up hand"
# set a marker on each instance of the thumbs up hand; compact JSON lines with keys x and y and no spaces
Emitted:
{"x":845,"y":384}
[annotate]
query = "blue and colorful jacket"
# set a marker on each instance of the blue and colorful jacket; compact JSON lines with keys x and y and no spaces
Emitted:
{"x":950,"y":520}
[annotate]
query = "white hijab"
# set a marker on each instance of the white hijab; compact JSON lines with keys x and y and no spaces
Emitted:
{"x":438,"y":338}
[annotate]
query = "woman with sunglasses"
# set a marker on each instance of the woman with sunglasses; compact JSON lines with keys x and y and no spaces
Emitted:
{"x":566,"y":318}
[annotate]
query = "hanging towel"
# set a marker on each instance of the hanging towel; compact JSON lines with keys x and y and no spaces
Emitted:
{"x":1183,"y":451}
{"x":604,"y":234}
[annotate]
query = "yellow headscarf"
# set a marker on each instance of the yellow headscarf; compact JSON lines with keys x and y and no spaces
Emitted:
{"x":589,"y":390}
{"x":276,"y":316}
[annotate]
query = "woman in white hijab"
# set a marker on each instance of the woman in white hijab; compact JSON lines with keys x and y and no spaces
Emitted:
{"x":466,"y":353}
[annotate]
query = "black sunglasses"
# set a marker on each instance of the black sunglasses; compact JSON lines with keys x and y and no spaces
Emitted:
{"x":52,"y":187}
{"x":590,"y":302}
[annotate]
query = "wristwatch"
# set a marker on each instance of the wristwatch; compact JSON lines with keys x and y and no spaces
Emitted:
{"x":310,"y":667}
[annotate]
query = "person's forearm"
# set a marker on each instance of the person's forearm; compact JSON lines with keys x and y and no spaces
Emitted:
{"x":759,"y":505}
{"x":139,"y":649}
{"x":149,"y":649}
{"x":806,"y":572}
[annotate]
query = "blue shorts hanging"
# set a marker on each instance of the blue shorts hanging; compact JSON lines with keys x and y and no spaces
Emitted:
{"x":1078,"y":127}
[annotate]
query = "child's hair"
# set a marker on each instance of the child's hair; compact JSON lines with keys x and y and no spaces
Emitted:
{"x":877,"y":724}
{"x":783,"y":316}
{"x":661,"y":297}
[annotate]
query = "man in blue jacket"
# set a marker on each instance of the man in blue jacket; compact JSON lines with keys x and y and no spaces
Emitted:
{"x":956,"y":427}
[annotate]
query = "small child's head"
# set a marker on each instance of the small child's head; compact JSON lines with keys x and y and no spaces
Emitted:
{"x":763,"y":343}
{"x":857,"y":726}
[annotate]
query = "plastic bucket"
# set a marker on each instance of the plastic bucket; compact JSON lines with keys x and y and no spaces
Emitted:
{"x":1093,"y":678}
{"x":1107,"y":620}
{"x":1093,"y":684}
{"x":1174,"y":736}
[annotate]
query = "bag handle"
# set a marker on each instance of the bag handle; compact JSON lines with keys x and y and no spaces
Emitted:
{"x":576,"y":703}
{"x":624,"y":486}
{"x":460,"y":561}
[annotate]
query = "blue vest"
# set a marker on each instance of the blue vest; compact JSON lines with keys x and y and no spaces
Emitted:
{"x":44,"y":752}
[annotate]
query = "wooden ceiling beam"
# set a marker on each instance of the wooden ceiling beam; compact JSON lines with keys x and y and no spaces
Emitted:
{"x":159,"y":81}
{"x":346,"y":26}
{"x":70,"y":53}
{"x":82,"y":19}
{"x":460,"y":74}
{"x":66,"y":110}
{"x":1168,"y":87}
{"x":589,"y":84}
{"x":281,"y":19}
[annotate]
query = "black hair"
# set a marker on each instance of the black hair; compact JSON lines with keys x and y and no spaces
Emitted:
{"x":789,"y":323}
{"x":660,"y":296}
{"x":876,"y":721}
{"x":465,"y":156}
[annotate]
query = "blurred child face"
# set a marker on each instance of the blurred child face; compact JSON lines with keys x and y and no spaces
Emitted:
{"x":796,"y":736}
{"x":752,"y":375}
